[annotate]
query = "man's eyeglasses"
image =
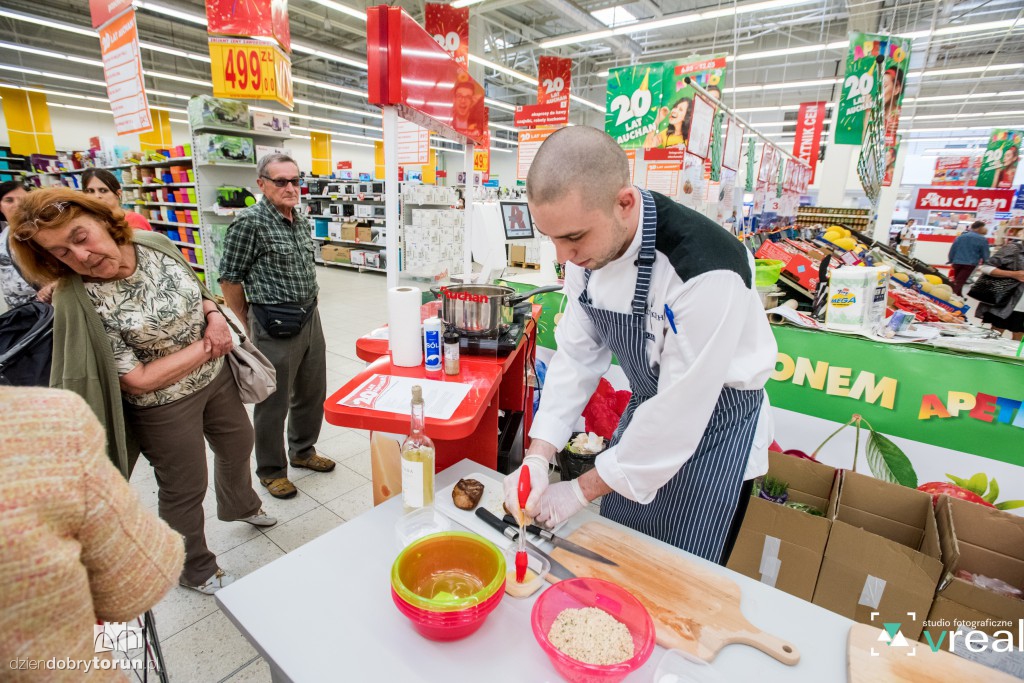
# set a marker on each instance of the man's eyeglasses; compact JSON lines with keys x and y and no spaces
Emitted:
{"x":47,"y":214}
{"x":283,"y":182}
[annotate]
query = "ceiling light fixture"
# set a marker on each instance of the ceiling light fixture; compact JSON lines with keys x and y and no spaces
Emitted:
{"x":344,"y":9}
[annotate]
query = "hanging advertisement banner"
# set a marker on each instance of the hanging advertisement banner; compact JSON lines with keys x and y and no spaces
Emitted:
{"x":862,"y":72}
{"x":529,"y":142}
{"x":957,"y":199}
{"x":631,"y":104}
{"x":413,"y":143}
{"x":663,"y":177}
{"x":959,"y":171}
{"x":999,"y":164}
{"x":890,"y":162}
{"x":677,"y":105}
{"x":554,"y":78}
{"x":122,"y":70}
{"x":631,"y":158}
{"x":541,"y":115}
{"x":666,"y":154}
{"x":693,"y":181}
{"x":482,"y":154}
{"x":103,"y":11}
{"x":810,"y":120}
{"x":701,"y":123}
{"x":733,"y":145}
{"x":450,"y":28}
{"x":250,"y":69}
{"x":252,"y":18}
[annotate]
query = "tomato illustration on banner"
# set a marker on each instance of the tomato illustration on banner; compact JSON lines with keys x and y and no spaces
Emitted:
{"x":999,"y":165}
{"x":450,"y":28}
{"x":862,"y":72}
{"x":554,"y":76}
{"x":631,"y":105}
{"x":255,"y":18}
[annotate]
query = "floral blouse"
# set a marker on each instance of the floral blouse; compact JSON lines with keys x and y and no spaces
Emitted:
{"x":15,"y":290}
{"x":152,"y":313}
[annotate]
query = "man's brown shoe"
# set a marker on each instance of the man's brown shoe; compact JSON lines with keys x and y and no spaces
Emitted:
{"x":280,"y":488}
{"x":315,"y":462}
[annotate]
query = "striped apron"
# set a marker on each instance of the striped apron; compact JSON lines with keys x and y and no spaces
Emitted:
{"x":694,"y":511}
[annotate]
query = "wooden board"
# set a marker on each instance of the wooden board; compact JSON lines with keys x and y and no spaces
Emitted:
{"x":694,"y":609}
{"x":893,"y":664}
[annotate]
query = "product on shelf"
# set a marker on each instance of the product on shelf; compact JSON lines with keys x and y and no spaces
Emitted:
{"x":213,"y":148}
{"x":274,"y":124}
{"x":234,"y":197}
{"x":204,"y":110}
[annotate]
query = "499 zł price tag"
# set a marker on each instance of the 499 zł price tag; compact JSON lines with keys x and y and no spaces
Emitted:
{"x":250,"y":69}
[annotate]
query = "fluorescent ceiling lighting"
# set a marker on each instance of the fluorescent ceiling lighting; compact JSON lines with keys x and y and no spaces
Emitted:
{"x":955,"y":151}
{"x":505,"y":70}
{"x":681,"y":18}
{"x":458,"y":4}
{"x":966,"y":70}
{"x":344,"y":9}
{"x":614,"y":16}
{"x":48,"y":23}
{"x":175,"y":77}
{"x":49,"y":74}
{"x":197,"y":19}
{"x":975,"y":96}
{"x":986,"y":114}
{"x":499,"y":105}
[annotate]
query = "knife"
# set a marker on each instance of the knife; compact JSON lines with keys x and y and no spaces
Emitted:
{"x":558,"y":570}
{"x":563,"y":543}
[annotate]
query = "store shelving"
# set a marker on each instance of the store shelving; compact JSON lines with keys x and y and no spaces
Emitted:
{"x":807,"y":216}
{"x":354,"y":266}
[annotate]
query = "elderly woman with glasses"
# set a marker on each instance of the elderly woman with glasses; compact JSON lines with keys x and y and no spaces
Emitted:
{"x":141,"y":339}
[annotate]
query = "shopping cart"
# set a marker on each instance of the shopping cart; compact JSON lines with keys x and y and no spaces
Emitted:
{"x":26,"y":345}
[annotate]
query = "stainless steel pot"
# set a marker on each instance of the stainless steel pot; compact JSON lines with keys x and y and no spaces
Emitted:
{"x":482,"y":310}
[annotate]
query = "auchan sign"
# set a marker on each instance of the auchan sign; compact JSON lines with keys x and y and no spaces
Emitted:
{"x":959,"y":199}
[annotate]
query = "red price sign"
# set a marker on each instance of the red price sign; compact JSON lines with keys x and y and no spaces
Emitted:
{"x":250,"y":69}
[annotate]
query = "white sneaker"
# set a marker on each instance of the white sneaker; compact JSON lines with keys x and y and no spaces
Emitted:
{"x":261,"y":518}
{"x":213,"y":584}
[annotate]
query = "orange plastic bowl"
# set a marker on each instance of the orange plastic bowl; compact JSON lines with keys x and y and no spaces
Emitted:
{"x":477,"y":564}
{"x":613,"y":599}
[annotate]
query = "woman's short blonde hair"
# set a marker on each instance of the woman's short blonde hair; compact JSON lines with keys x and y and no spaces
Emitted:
{"x":52,"y":209}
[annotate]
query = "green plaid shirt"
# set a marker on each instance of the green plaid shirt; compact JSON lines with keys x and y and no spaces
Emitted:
{"x":271,"y":256}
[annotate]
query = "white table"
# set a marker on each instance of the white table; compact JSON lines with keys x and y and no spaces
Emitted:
{"x":324,"y":612}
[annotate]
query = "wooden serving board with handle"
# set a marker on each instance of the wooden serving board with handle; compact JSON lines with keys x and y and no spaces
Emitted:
{"x":694,"y":610}
{"x":870,"y":660}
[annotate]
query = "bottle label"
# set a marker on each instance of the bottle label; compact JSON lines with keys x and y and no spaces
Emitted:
{"x":412,"y":483}
{"x":432,"y":349}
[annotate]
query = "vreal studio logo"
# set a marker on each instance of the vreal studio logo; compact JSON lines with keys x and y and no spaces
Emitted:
{"x":956,"y":634}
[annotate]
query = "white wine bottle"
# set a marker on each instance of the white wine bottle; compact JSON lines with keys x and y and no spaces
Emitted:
{"x":417,"y":459}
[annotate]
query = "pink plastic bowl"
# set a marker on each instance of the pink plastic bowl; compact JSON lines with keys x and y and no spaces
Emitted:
{"x":618,"y":602}
{"x":451,"y":625}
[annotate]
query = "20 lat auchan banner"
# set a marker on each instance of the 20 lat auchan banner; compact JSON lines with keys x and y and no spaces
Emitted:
{"x":966,"y":403}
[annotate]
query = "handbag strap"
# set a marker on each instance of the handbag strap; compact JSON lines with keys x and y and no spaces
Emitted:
{"x":231,"y":324}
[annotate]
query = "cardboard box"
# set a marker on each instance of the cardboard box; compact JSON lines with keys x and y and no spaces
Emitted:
{"x":882,"y":561}
{"x":781,"y":546}
{"x":348,"y":231}
{"x":516,"y":253}
{"x":266,"y":122}
{"x":216,"y":112}
{"x":980,"y":540}
{"x":336,"y":254}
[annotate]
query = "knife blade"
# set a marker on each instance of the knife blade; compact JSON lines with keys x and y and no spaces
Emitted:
{"x":563,"y":543}
{"x":558,"y":570}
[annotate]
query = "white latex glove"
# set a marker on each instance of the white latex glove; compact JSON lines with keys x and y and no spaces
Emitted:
{"x":539,"y":467}
{"x":560,"y":502}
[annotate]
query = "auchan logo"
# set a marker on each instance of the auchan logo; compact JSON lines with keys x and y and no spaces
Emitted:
{"x":970,"y":200}
{"x":465,"y":296}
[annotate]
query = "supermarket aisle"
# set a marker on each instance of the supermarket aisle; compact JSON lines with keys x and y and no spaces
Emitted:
{"x":199,"y":642}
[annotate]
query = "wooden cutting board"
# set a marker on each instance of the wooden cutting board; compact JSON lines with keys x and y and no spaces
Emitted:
{"x":893,"y":664}
{"x":693,"y":609}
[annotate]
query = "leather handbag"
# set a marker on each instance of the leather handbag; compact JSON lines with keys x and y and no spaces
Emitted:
{"x":254,"y":373}
{"x":994,"y":291}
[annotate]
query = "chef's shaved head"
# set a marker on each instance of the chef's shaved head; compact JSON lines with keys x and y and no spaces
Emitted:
{"x":578,"y":159}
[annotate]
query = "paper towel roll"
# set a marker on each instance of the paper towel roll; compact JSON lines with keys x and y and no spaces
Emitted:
{"x":547,"y":261}
{"x":404,"y":332}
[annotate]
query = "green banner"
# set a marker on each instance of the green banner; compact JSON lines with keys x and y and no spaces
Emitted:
{"x":632,"y":103}
{"x":966,"y":403}
{"x":748,"y":185}
{"x":862,"y":71}
{"x":677,"y":97}
{"x":999,"y":164}
{"x":717,"y":146}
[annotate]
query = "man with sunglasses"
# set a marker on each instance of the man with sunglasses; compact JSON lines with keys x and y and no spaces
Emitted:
{"x":268,"y":278}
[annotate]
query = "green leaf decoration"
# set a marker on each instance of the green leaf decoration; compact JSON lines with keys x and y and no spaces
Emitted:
{"x":978,"y":483}
{"x":959,"y":481}
{"x":888,"y":462}
{"x":993,"y":491}
{"x":1010,"y":504}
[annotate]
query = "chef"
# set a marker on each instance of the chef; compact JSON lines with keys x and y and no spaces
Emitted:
{"x":670,"y":293}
